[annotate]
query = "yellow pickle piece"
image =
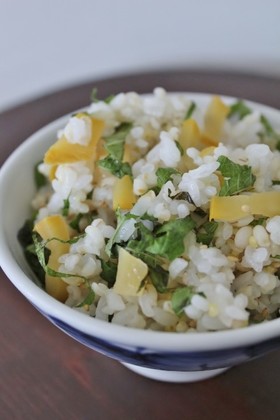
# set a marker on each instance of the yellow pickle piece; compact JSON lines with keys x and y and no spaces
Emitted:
{"x":55,"y":227}
{"x":190,"y":134}
{"x":130,"y":274}
{"x":214,"y":119}
{"x":232,"y":208}
{"x":64,"y":152}
{"x":207,"y":151}
{"x":123,"y":195}
{"x":189,"y":137}
{"x":127,"y":156}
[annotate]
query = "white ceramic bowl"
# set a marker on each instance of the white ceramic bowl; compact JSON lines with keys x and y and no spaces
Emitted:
{"x":174,"y":357}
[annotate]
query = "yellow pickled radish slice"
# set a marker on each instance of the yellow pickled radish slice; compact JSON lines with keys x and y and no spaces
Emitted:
{"x":64,"y":152}
{"x":54,"y":227}
{"x":214,"y":119}
{"x":207,"y":151}
{"x":127,"y":156}
{"x":208,"y":141}
{"x":232,"y":208}
{"x":190,"y":134}
{"x":189,"y":137}
{"x":130,"y":274}
{"x":101,"y":152}
{"x":52,"y":172}
{"x":123,"y":195}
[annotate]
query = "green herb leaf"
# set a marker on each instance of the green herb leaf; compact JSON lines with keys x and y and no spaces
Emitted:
{"x":190,"y":110}
{"x":66,"y":207}
{"x":115,"y":239}
{"x":260,"y":221}
{"x":116,"y":167}
{"x":276,"y":182}
{"x":114,"y":144}
{"x":169,"y":238}
{"x":269,"y":131}
{"x":88,"y":219}
{"x":39,"y":178}
{"x":180,"y":298}
{"x":40,"y":246}
{"x":158,"y":275}
{"x":206,"y":233}
{"x":109,"y":99}
{"x":164,"y":175}
{"x":75,"y":223}
{"x":181,"y":150}
{"x":88,"y":299}
{"x":237,"y":178}
{"x":40,"y":249}
{"x":25,"y":234}
{"x":94,"y":98}
{"x":109,"y":271}
{"x":26,"y":242}
{"x":167,"y":241}
{"x":182,"y":195}
{"x":159,"y":278}
{"x":137,"y":247}
{"x":71,"y":241}
{"x":240,"y":109}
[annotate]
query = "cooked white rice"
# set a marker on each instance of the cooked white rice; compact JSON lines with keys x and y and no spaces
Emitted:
{"x":233,"y":280}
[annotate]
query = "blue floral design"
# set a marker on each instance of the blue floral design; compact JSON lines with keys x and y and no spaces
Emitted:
{"x":172,"y":361}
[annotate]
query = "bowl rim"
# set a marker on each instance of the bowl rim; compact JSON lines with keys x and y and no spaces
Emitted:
{"x":126,"y":336}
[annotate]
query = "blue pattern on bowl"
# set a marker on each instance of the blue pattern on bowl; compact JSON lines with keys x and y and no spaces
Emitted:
{"x":170,"y":361}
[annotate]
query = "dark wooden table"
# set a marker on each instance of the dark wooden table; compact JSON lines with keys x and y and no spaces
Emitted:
{"x":44,"y":374}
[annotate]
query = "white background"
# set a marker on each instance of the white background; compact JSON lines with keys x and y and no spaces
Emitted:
{"x":48,"y":44}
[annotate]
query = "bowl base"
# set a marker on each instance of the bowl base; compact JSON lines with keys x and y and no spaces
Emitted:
{"x":174,"y":376}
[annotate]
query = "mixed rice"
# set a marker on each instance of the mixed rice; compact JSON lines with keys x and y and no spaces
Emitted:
{"x":157,"y":212}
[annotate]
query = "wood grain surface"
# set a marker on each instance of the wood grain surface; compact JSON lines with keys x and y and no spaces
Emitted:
{"x":44,"y":374}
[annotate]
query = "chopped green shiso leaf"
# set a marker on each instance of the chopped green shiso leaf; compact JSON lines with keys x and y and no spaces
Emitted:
{"x":66,"y":207}
{"x":39,"y":178}
{"x":109,"y":271}
{"x":116,"y":167}
{"x":114,"y":145}
{"x":190,"y":110}
{"x":94,"y":97}
{"x":164,"y":243}
{"x":168,"y":239}
{"x":180,"y":298}
{"x":164,"y":175}
{"x":270,"y":132}
{"x":206,"y":233}
{"x":240,"y":109}
{"x":26,"y":242}
{"x":88,"y":300}
{"x":40,"y":247}
{"x":237,"y":178}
